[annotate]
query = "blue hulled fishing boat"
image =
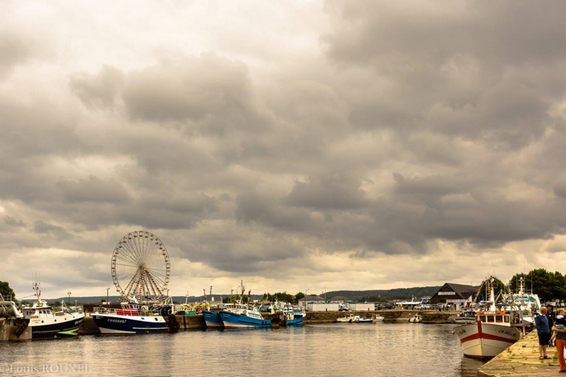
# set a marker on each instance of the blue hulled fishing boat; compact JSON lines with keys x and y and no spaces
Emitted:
{"x":212,"y":319}
{"x":244,"y":318}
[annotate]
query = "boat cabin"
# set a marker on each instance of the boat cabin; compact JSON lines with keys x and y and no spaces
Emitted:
{"x":40,"y":312}
{"x":500,"y":317}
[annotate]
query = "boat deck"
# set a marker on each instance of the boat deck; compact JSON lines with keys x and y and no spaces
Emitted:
{"x":522,"y":359}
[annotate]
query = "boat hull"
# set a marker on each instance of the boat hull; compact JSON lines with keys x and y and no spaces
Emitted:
{"x":297,"y":321}
{"x":114,"y":324}
{"x":212,"y":319}
{"x":239,"y":321}
{"x":485,"y":340}
{"x":56,"y":327}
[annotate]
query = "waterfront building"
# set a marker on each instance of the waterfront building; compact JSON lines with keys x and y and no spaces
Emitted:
{"x":310,"y":298}
{"x":453,"y":295}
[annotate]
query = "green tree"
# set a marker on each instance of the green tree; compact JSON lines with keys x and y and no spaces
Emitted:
{"x":549,"y":286}
{"x":6,"y":291}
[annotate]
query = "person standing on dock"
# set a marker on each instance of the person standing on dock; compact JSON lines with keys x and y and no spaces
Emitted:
{"x":551,"y":316}
{"x":560,"y":331}
{"x":543,"y":332}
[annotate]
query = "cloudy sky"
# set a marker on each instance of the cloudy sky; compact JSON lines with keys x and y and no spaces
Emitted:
{"x":297,"y":145}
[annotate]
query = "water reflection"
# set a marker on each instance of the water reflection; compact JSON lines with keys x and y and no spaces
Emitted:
{"x":318,"y":350}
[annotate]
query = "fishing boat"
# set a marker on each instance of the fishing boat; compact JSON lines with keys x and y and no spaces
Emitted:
{"x":46,"y":324}
{"x":527,"y":302}
{"x":292,"y":316}
{"x":493,"y":331}
{"x":212,"y":319}
{"x":243,"y":317}
{"x":13,"y":325}
{"x":132,"y":318}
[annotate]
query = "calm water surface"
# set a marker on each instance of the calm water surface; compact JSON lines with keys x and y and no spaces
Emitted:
{"x":316,"y":350}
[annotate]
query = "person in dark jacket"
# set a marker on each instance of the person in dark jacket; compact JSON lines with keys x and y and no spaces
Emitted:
{"x":551,"y":315}
{"x":560,"y":331}
{"x":543,"y":331}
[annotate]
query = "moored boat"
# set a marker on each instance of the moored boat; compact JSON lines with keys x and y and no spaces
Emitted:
{"x":212,"y":319}
{"x":130,"y":319}
{"x":347,"y":319}
{"x":492,"y":332}
{"x":45,"y":324}
{"x":528,"y":302}
{"x":294,"y":317}
{"x":358,"y":319}
{"x":13,"y":325}
{"x":243,"y":318}
{"x":354,"y":319}
{"x":378,"y":318}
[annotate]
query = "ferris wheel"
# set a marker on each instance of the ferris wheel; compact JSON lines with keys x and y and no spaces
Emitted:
{"x":141,"y":267}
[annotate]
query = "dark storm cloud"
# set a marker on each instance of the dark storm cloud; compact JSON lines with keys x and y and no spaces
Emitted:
{"x":327,"y":192}
{"x":480,"y":70}
{"x":377,"y":132}
{"x":93,"y":189}
{"x":261,"y":209}
{"x":210,"y":90}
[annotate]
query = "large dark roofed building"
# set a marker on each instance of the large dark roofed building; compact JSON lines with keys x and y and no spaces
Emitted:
{"x":455,"y":294}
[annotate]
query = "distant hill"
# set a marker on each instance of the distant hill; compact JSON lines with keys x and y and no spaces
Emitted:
{"x":387,"y":294}
{"x":368,"y":295}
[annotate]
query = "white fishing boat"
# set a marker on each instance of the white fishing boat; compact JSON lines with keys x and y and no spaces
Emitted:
{"x":492,"y":332}
{"x":46,"y":324}
{"x":527,"y":302}
{"x":132,"y":318}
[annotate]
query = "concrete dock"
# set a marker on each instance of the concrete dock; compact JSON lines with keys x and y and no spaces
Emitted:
{"x":522,"y":359}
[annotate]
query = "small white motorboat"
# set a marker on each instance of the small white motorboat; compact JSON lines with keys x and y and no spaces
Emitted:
{"x":378,"y":318}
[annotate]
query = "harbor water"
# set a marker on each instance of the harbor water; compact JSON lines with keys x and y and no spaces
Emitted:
{"x":380,"y":349}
